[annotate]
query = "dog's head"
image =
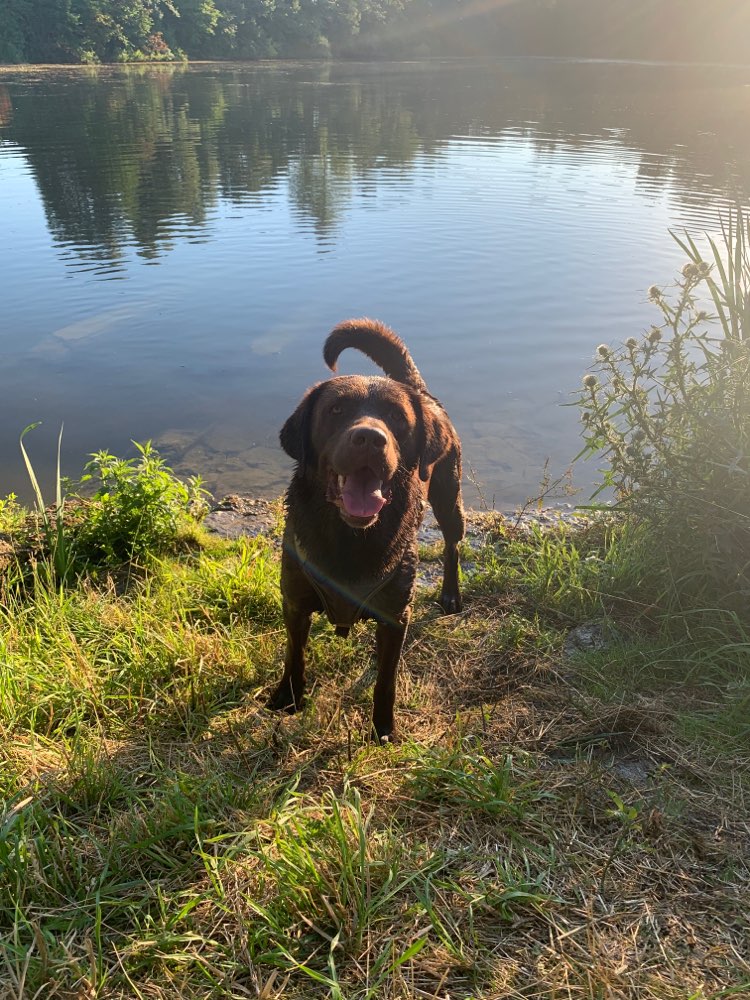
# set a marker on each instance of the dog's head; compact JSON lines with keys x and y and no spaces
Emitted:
{"x":353,"y":434}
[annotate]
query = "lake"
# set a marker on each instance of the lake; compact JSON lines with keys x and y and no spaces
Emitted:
{"x":177,"y":241}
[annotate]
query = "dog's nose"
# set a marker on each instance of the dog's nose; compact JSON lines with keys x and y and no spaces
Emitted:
{"x":373,"y":437}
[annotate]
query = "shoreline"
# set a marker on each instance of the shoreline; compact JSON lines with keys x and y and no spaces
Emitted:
{"x":238,"y":515}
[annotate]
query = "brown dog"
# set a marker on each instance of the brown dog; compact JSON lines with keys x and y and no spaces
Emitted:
{"x":368,"y":452}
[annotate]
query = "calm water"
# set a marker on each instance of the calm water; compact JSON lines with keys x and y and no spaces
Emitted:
{"x":177,"y":242}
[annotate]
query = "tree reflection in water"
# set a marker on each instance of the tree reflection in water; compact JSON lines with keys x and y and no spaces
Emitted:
{"x":139,"y":155}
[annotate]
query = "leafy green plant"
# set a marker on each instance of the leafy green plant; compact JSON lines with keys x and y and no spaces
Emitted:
{"x":137,"y":508}
{"x":12,"y":514}
{"x":629,"y":819}
{"x":670,"y":414}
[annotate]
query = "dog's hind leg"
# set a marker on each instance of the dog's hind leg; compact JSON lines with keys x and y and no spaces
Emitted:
{"x":444,"y":496}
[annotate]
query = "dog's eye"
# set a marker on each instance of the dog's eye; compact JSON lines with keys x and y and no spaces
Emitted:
{"x":336,"y":409}
{"x":398,"y":415}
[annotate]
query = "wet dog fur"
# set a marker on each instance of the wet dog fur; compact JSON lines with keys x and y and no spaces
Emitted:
{"x":369,"y":452}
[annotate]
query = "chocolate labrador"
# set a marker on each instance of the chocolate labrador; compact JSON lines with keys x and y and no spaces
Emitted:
{"x":369,"y":451}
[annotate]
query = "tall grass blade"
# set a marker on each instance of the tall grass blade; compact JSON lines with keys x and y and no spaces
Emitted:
{"x":63,"y":555}
{"x":55,"y":536}
{"x":723,"y":295}
{"x":32,"y":475}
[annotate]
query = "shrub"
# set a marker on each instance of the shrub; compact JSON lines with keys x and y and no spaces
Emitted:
{"x":12,"y":514}
{"x":137,"y":508}
{"x":670,"y":414}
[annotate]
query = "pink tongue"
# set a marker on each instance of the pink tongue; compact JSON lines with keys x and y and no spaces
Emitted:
{"x":362,"y":494}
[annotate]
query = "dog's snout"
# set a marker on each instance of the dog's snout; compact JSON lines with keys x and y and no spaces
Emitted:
{"x":369,"y":437}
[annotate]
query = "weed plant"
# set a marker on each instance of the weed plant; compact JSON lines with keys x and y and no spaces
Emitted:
{"x":12,"y":514}
{"x":136,"y":512}
{"x":137,"y":507}
{"x":670,"y":415}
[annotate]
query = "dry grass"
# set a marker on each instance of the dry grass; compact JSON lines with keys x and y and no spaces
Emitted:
{"x":535,"y":834}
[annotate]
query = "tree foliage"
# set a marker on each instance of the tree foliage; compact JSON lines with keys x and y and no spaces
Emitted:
{"x":113,"y":30}
{"x":124,"y":30}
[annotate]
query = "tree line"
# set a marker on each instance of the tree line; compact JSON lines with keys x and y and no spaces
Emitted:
{"x":70,"y":31}
{"x":91,"y":31}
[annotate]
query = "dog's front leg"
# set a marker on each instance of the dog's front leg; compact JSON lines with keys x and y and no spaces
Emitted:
{"x":389,"y":639}
{"x":290,"y":691}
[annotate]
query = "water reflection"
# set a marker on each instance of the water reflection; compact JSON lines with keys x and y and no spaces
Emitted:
{"x":141,"y":156}
{"x":505,"y":218}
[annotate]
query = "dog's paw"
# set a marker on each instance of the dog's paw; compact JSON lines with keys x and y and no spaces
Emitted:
{"x":450,"y":603}
{"x":383,"y":736}
{"x":284,"y":699}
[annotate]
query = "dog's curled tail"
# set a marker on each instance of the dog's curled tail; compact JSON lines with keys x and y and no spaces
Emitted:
{"x":380,"y":344}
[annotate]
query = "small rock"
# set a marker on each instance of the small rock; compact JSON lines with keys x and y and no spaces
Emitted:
{"x":591,"y":637}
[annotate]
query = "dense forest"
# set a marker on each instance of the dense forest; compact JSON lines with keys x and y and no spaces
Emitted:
{"x":91,"y":31}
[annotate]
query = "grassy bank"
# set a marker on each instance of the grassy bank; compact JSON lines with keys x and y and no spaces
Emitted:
{"x":552,"y":824}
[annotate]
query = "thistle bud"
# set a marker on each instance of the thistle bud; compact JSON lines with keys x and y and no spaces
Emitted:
{"x":691,"y":272}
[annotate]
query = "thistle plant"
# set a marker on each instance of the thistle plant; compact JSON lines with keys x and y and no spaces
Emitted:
{"x":670,"y":414}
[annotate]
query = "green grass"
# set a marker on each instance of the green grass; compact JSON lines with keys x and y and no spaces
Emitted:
{"x":546,"y":827}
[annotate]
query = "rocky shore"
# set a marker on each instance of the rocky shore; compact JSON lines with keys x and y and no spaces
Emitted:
{"x":234,"y":516}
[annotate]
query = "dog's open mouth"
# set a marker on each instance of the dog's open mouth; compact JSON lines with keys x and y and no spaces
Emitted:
{"x":360,"y":495}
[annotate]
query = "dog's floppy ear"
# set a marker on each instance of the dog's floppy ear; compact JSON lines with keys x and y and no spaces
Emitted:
{"x":295,"y":436}
{"x":435,"y":436}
